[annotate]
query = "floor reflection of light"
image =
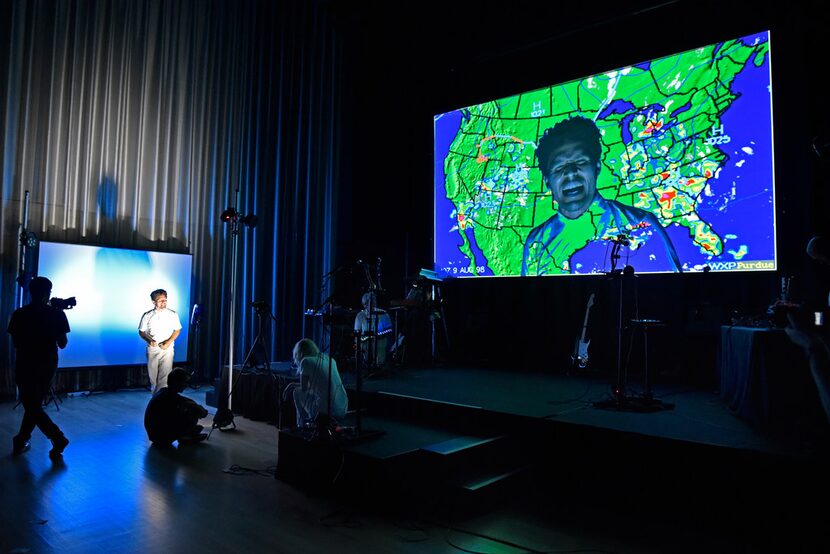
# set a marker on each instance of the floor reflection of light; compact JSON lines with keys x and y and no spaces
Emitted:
{"x":109,"y":482}
{"x":166,"y":481}
{"x":106,"y":480}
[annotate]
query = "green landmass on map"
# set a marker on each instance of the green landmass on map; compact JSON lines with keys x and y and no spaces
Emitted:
{"x":498,"y":192}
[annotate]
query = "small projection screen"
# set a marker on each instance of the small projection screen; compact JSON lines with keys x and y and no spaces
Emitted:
{"x":684,"y":179}
{"x":112,"y":288}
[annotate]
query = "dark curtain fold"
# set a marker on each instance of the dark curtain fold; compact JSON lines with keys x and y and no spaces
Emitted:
{"x":134,"y":124}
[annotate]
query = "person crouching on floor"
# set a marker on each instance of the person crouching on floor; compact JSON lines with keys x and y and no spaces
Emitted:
{"x":320,"y":397}
{"x":172,"y":417}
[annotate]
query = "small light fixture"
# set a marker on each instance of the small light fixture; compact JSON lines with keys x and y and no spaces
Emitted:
{"x":28,"y":239}
{"x":229,"y":215}
{"x":249,"y":220}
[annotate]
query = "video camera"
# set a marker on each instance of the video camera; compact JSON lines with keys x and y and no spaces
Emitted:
{"x":63,"y":303}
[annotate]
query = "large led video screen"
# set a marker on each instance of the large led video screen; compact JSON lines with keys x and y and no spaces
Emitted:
{"x":666,"y":166}
{"x":112,"y":289}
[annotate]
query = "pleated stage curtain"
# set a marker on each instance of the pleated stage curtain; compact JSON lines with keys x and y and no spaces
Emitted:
{"x":134,"y":124}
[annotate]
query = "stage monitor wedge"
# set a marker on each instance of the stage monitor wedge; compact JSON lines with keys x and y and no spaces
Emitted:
{"x":112,"y":289}
{"x":683,"y":180}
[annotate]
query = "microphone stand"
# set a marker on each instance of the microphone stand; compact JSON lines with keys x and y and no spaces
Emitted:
{"x":619,"y":400}
{"x":618,"y":394}
{"x":326,"y":310}
{"x":619,"y":389}
{"x":372,"y":325}
{"x":371,"y":336}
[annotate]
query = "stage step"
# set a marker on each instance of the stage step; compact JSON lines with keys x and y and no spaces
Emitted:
{"x":480,"y":455}
{"x":469,"y":468}
{"x":442,"y":468}
{"x":459,"y":444}
{"x":461,"y":418}
{"x":480,"y":482}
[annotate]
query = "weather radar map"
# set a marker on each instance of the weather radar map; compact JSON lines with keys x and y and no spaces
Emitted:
{"x":687,"y":138}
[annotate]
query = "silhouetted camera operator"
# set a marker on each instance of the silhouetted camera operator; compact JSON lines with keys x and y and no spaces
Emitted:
{"x":38,"y":330}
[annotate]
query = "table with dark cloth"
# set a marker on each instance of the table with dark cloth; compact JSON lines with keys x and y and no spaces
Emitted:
{"x":257,"y":393}
{"x":765,"y":378}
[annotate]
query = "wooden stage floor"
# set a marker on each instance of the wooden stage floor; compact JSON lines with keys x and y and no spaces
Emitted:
{"x":113,"y":492}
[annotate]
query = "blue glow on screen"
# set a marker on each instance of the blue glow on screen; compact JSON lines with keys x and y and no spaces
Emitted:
{"x":112,"y":287}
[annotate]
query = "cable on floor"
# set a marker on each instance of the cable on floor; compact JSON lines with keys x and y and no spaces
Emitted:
{"x":236,"y":469}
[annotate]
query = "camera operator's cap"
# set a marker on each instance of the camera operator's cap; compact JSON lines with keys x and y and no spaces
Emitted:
{"x":40,"y":285}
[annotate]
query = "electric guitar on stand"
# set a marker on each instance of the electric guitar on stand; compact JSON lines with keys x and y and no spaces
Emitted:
{"x":580,"y":355}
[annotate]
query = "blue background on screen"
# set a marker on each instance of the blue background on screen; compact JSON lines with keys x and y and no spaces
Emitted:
{"x":112,"y":287}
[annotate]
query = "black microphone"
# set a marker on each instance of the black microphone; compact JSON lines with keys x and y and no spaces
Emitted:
{"x":333,"y":271}
{"x":361,"y":262}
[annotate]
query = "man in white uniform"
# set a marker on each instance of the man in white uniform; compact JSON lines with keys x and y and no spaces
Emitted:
{"x":159,"y":327}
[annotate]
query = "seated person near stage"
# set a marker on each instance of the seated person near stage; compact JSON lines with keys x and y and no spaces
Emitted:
{"x":311,"y":394}
{"x":368,"y":328}
{"x":576,"y":237}
{"x":804,"y":331}
{"x":172,"y":417}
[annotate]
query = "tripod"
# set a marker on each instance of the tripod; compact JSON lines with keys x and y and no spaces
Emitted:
{"x":224,"y":418}
{"x":51,"y":397}
{"x":262,"y":309}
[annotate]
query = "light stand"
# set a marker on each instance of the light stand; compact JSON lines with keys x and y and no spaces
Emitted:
{"x":224,"y":417}
{"x":27,"y":242}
